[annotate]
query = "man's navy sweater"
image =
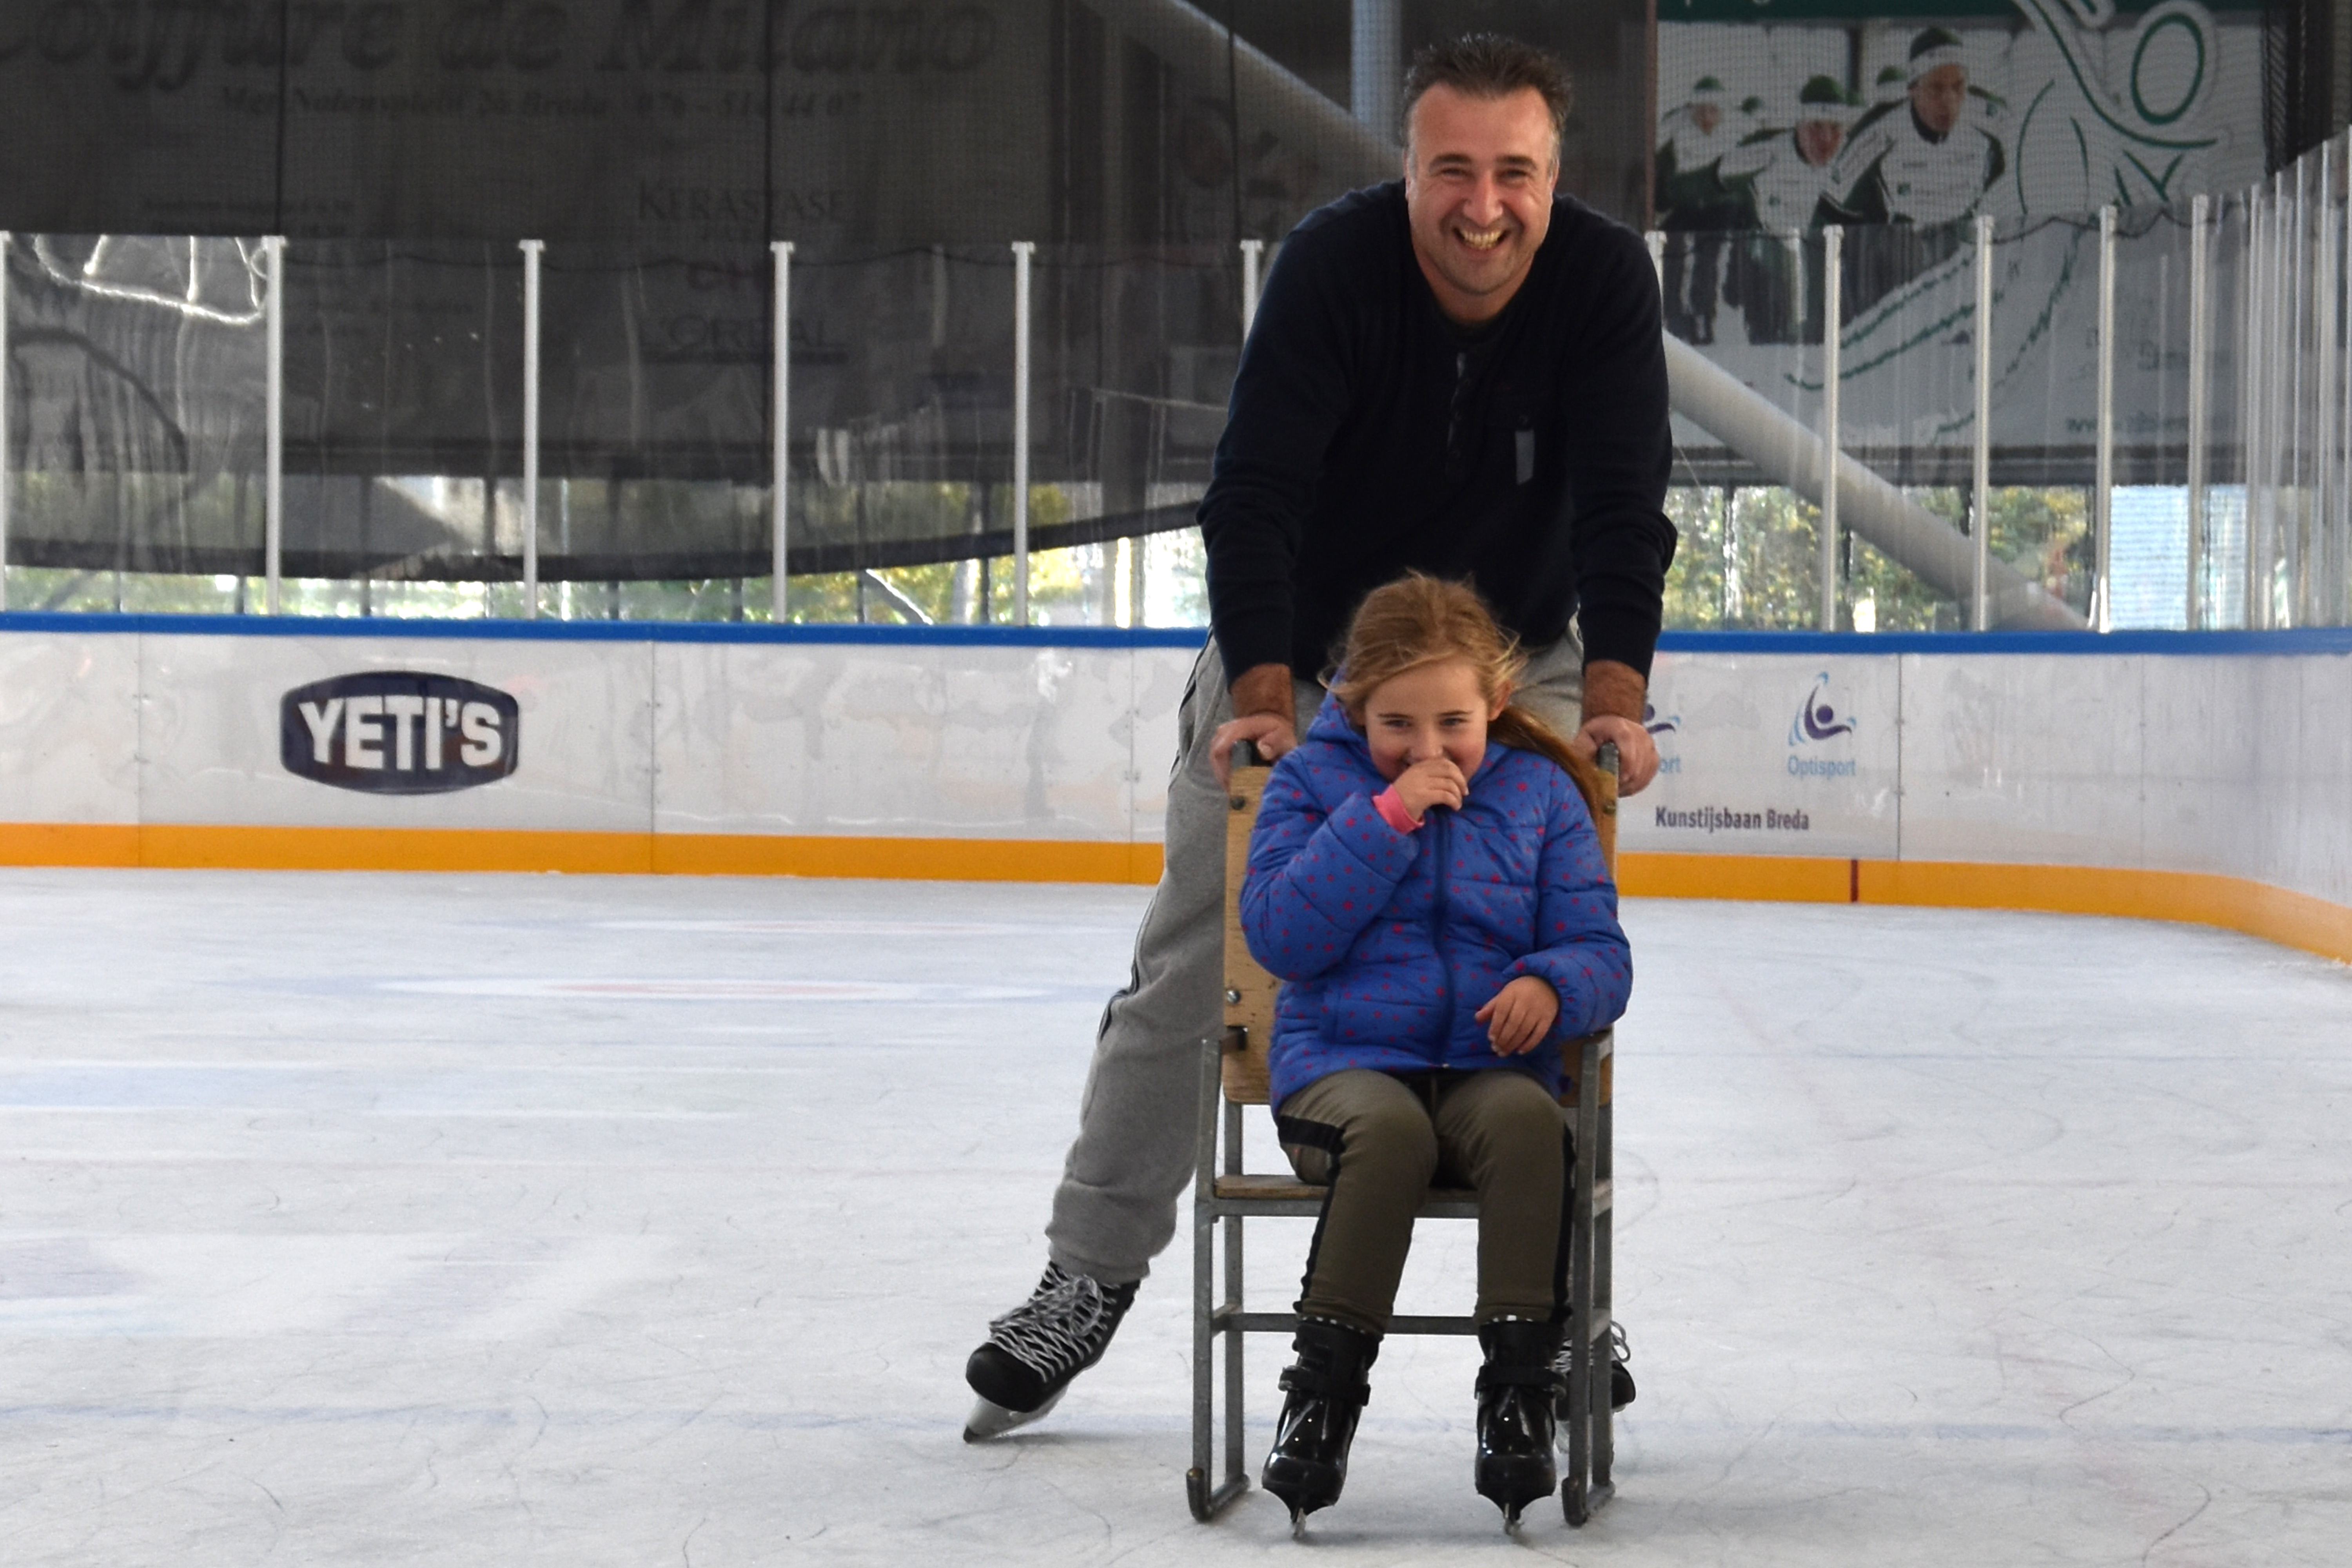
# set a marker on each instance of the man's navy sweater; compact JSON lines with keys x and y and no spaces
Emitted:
{"x":1367,"y":434}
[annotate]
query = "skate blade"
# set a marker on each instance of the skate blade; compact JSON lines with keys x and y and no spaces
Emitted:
{"x":989,"y":1419}
{"x":1297,"y":1524}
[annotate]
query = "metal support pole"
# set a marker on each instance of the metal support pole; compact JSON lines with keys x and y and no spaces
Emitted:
{"x":1832,"y":328}
{"x":273,"y":476}
{"x":2201,"y":394}
{"x":2341,"y":525}
{"x":1980,"y":600}
{"x":1023,"y":250}
{"x":1253,"y":257}
{"x":532,"y":250}
{"x":779,"y":447}
{"x":2252,"y":379}
{"x":6,"y":449}
{"x":2298,"y":297}
{"x":2323,"y":426}
{"x":2104,"y":500}
{"x":1376,"y":63}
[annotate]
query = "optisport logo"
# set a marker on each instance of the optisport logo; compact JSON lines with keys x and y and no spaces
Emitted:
{"x":1818,"y":720}
{"x":397,"y":731}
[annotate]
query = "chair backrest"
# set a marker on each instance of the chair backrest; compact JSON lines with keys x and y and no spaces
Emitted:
{"x":1249,"y":989}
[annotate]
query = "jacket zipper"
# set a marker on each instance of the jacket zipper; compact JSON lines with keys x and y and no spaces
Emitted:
{"x":1441,"y":818}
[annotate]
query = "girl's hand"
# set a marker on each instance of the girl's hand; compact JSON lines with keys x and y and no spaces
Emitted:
{"x":1436,"y":781}
{"x":1520,"y":1015}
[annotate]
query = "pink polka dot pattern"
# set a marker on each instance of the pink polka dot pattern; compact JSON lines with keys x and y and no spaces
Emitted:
{"x":1389,"y":942}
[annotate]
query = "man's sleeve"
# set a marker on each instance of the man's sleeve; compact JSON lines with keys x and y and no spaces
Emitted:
{"x":1619,"y":454}
{"x":1289,"y":395}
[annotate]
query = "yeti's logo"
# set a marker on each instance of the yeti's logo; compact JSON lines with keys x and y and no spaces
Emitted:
{"x":397,"y":731}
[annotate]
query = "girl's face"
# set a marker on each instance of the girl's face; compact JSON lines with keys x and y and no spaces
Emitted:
{"x":1435,"y":710}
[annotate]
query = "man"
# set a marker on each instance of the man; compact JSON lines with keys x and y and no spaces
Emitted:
{"x":1924,"y":163}
{"x":1692,"y":198}
{"x":1926,"y":166}
{"x":1461,"y":373}
{"x":1784,"y":175}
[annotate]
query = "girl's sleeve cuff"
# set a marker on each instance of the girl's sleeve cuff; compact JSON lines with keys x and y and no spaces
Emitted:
{"x":1392,"y":811}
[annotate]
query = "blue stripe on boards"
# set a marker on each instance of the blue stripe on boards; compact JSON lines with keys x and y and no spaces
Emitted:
{"x":82,"y":623}
{"x":2301,"y":641}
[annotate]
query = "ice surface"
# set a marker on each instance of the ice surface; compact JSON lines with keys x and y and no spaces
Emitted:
{"x":583,"y":1221}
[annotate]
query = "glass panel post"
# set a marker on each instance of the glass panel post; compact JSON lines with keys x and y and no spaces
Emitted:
{"x":273,"y":484}
{"x":531,"y":251}
{"x":1980,"y":476}
{"x":780,"y":437}
{"x":1832,"y":328}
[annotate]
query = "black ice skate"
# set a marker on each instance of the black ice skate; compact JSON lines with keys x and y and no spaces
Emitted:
{"x":1034,"y":1351}
{"x":1621,"y":1373}
{"x":1516,"y":1389}
{"x":1325,"y":1392}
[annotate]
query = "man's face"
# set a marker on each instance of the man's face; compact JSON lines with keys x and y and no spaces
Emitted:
{"x":1706,"y":117}
{"x":1817,"y":140}
{"x":1478,"y":179}
{"x":1938,"y":97}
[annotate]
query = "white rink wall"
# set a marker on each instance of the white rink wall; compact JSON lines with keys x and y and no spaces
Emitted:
{"x":2219,"y":752}
{"x":1004,"y":736}
{"x":2228,"y":753}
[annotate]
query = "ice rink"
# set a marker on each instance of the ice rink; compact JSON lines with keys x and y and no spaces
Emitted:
{"x":371,"y":1219}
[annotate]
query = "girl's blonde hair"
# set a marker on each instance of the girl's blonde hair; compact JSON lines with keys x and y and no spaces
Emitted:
{"x":1421,"y":620}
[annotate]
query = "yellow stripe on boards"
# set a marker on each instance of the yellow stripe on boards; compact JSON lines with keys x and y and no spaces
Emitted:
{"x":483,"y":849}
{"x":2234,"y":903}
{"x":928,"y":860}
{"x":1771,"y":878}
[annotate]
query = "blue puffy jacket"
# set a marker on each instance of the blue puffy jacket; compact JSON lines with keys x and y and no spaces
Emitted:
{"x":1390,"y":941}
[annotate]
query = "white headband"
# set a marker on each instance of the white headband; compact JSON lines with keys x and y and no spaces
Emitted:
{"x":1941,"y":55}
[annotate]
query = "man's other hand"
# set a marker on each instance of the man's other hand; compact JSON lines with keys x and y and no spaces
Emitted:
{"x":1261,"y":713}
{"x":1613,"y":694}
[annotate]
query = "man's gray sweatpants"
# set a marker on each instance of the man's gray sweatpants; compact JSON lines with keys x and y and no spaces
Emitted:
{"x":1116,"y":1207}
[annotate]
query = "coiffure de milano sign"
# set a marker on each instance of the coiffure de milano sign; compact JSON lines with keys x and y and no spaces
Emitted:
{"x":397,"y":731}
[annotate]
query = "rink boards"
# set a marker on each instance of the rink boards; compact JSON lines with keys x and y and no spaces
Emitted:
{"x":2001,"y":769}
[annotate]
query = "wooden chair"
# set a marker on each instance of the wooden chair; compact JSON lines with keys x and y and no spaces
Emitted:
{"x":1233,"y":1074}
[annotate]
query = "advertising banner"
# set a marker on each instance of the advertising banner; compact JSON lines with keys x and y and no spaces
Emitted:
{"x":1902,"y":124}
{"x":1765,"y":754}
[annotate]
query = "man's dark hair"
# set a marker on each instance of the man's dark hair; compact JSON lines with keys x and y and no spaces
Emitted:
{"x":1488,"y":65}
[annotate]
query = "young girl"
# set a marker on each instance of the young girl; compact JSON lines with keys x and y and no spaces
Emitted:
{"x":1425,"y":876}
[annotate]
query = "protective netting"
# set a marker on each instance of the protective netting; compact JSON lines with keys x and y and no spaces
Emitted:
{"x":657,"y":146}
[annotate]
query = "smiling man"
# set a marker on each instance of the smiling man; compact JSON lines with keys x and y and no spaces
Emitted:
{"x":1460,"y":372}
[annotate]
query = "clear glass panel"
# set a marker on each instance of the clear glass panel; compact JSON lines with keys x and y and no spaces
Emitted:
{"x":137,"y":440}
{"x":403,"y":425}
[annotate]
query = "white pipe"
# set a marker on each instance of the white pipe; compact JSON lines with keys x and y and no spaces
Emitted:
{"x":2104,"y":495}
{"x":1253,"y":256}
{"x":2323,"y":426}
{"x":1980,"y":475}
{"x":532,"y":249}
{"x":5,"y":447}
{"x":779,"y":449}
{"x":2252,"y":373}
{"x":1023,"y":250}
{"x":2340,"y":525}
{"x":1832,"y":330}
{"x":1788,"y":454}
{"x":2201,"y":394}
{"x":1201,"y":50}
{"x":273,"y":486}
{"x":2296,"y":256}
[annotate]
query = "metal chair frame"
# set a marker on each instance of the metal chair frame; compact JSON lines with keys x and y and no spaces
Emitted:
{"x":1233,"y":1074}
